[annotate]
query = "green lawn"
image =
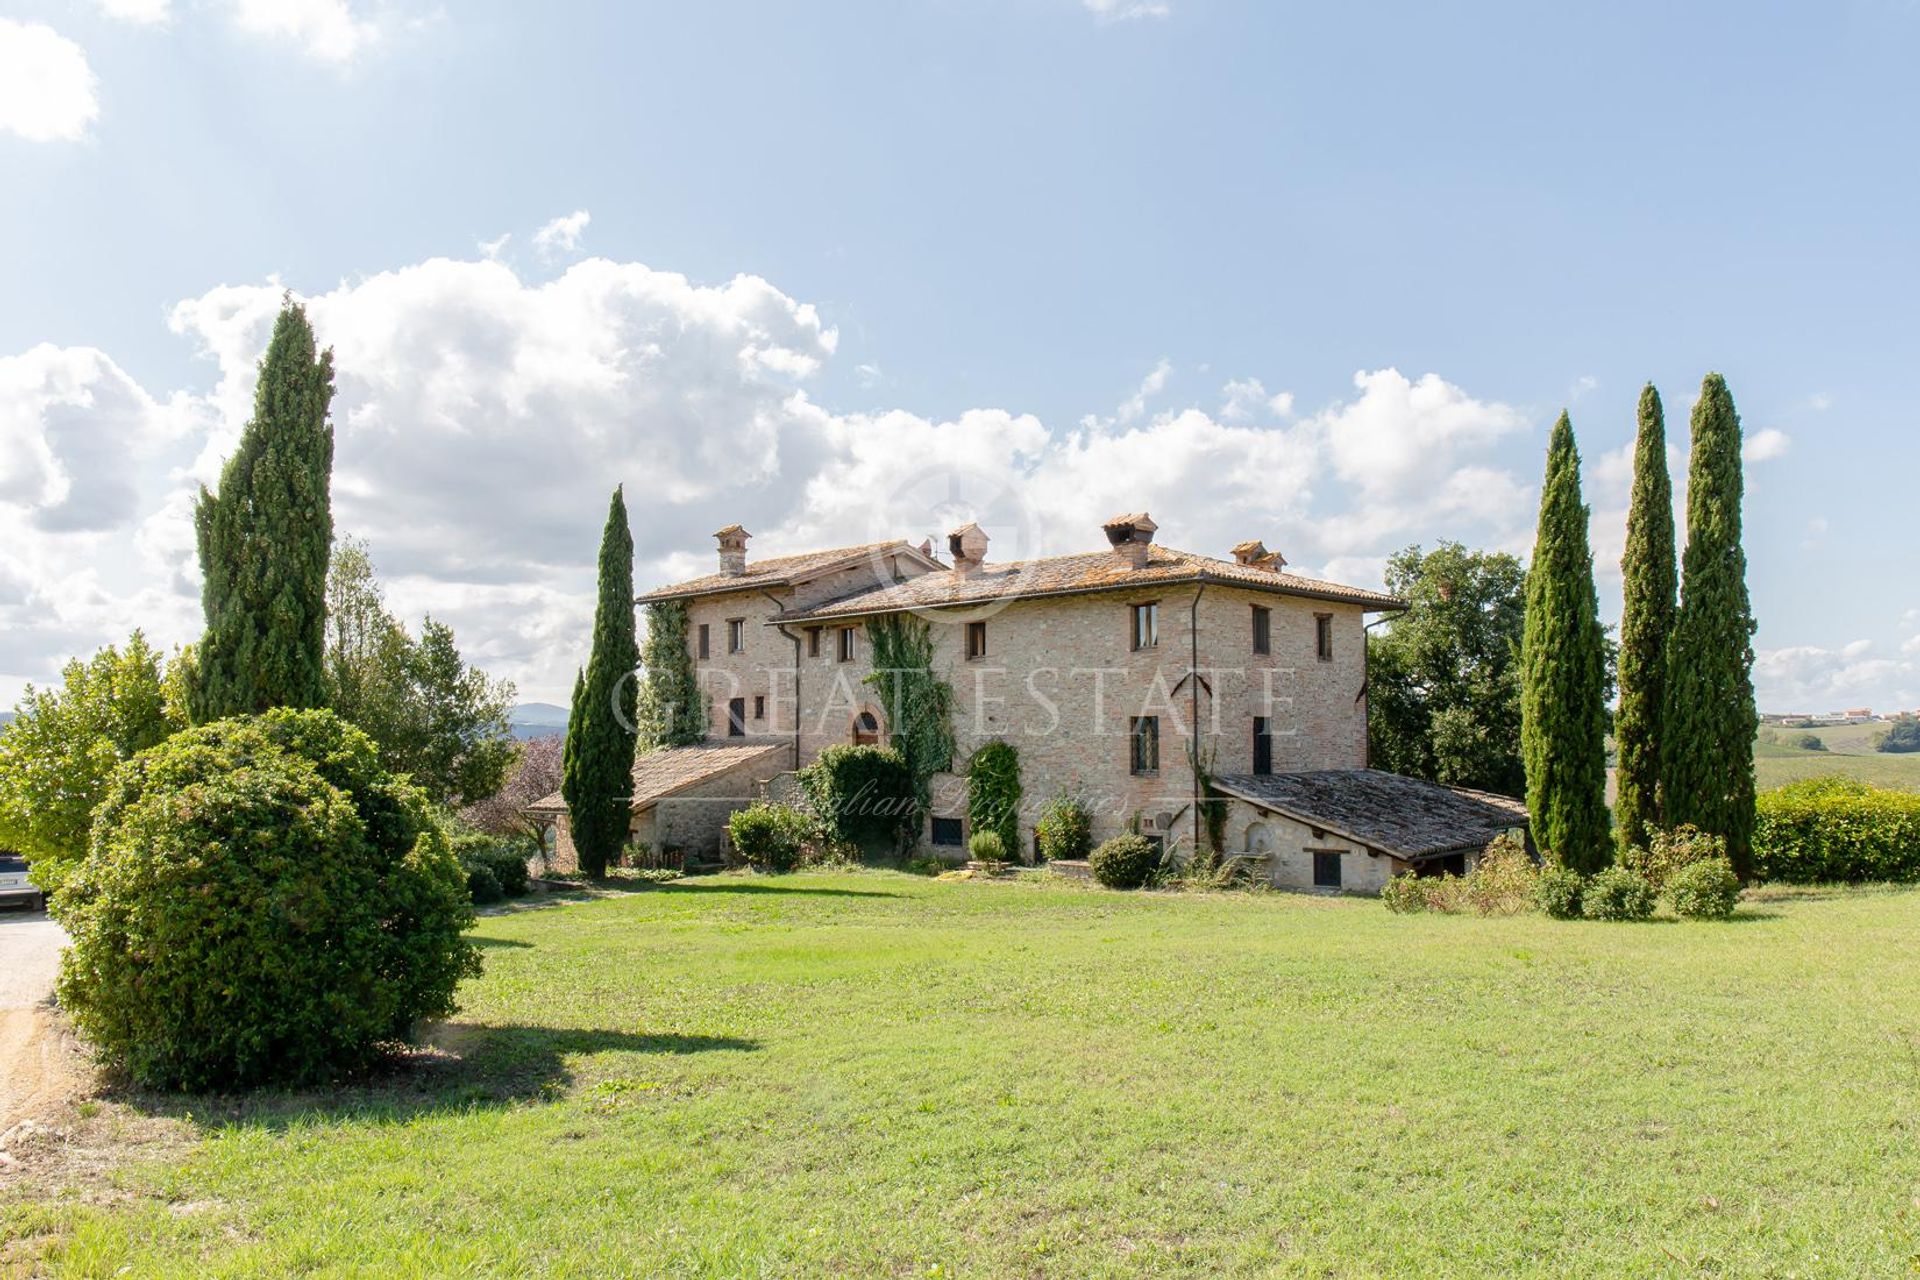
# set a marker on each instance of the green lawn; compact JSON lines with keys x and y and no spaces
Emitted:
{"x":873,"y":1074}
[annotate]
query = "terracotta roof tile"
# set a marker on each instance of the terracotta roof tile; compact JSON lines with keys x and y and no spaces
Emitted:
{"x":1409,"y":817}
{"x":774,"y":572}
{"x":661,"y":773}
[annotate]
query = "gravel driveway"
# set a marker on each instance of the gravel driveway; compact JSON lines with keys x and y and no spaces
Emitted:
{"x":30,"y":1075}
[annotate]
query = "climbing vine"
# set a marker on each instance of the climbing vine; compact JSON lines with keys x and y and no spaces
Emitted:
{"x":919,"y":704}
{"x":672,"y":713}
{"x":993,"y":794}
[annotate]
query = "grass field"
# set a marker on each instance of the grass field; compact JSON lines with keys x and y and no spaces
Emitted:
{"x":874,"y":1074}
{"x":1850,"y":754}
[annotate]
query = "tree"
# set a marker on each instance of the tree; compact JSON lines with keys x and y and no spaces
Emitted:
{"x":1563,"y":716}
{"x":1710,"y":717}
{"x":601,"y":734}
{"x":1903,"y":736}
{"x":1646,"y":625}
{"x":429,"y":713}
{"x":58,"y":755}
{"x":535,"y":776}
{"x":264,"y":540}
{"x":1443,"y":680}
{"x":672,"y":712}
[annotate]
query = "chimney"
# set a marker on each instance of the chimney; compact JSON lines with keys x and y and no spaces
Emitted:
{"x":1131,"y":536}
{"x":733,"y":550}
{"x":1254,"y":554}
{"x":968,"y":544}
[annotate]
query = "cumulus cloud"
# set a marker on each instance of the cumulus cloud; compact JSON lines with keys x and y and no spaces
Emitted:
{"x":329,"y":30}
{"x":1816,"y":679}
{"x":1126,"y":10}
{"x":1765,"y":445}
{"x":140,"y":12}
{"x":47,"y":91}
{"x":562,"y":234}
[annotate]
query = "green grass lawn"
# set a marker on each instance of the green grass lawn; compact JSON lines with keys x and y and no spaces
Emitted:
{"x":874,"y":1074}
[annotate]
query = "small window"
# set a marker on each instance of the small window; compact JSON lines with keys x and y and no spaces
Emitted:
{"x":736,"y":635}
{"x":1323,"y":636}
{"x":706,"y":641}
{"x":947,"y":832}
{"x":1146,"y":626}
{"x":848,"y":646}
{"x":1262,"y":629}
{"x":1262,"y":745}
{"x":759,"y":706}
{"x":1144,"y":732}
{"x":1326,"y":869}
{"x":736,"y":717}
{"x":813,"y":642}
{"x":976,"y":640}
{"x":866,"y":730}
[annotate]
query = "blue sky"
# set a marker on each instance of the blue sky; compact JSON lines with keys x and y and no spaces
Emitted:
{"x":1047,"y":245}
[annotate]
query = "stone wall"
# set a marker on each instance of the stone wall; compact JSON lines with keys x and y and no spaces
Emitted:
{"x":1289,"y":847}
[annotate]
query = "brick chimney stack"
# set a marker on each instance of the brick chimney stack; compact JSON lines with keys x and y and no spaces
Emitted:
{"x":733,"y":550}
{"x":968,"y":545}
{"x":1131,"y":536}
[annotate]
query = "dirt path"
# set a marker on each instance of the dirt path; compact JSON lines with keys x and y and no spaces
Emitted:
{"x":35,"y":1071}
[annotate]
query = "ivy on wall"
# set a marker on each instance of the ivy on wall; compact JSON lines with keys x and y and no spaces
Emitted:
{"x":672,"y":712}
{"x":993,"y":794}
{"x":919,"y":705}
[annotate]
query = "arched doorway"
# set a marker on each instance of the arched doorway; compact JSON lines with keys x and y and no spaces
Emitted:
{"x":866,"y":730}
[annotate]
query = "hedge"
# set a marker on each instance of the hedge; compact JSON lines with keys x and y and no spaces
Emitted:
{"x":1834,"y":829}
{"x":864,"y":795}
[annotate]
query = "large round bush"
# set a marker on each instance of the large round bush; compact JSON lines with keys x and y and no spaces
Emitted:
{"x":262,"y":903}
{"x":1617,"y":893}
{"x":772,"y":837}
{"x":1064,"y":832}
{"x":1704,"y":890}
{"x":1557,"y":891}
{"x":1125,"y":862}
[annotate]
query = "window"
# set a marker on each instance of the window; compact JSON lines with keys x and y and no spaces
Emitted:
{"x":847,"y":645}
{"x":1262,"y":629}
{"x":976,"y":640}
{"x":736,"y":635}
{"x":1146,"y":626}
{"x":1323,"y":636}
{"x":1262,"y":745}
{"x":947,"y":831}
{"x":1326,"y":869}
{"x":706,"y":642}
{"x":736,"y":717}
{"x":813,"y":642}
{"x":1144,"y":732}
{"x":759,"y":706}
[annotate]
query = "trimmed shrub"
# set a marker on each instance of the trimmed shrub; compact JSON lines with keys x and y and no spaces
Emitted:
{"x":863,"y":795}
{"x":495,"y":868}
{"x":1835,"y":829}
{"x":1125,"y":862}
{"x":262,"y":903}
{"x":1704,"y":890}
{"x":772,"y":837}
{"x":993,"y":794}
{"x":1065,"y":830}
{"x":1617,"y":893}
{"x":1667,"y":852}
{"x":1557,"y":891}
{"x":987,"y":846}
{"x":1405,"y":894}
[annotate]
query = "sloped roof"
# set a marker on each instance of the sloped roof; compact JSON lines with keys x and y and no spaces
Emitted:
{"x":779,"y":571}
{"x":1407,"y":817}
{"x":1077,"y":574}
{"x":659,"y":774}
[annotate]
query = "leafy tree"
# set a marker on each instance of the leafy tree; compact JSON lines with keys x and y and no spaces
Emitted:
{"x":1710,"y":717}
{"x":1903,"y":735}
{"x":1646,"y":624}
{"x":672,"y":712}
{"x":265,"y":537}
{"x":1563,"y":718}
{"x":1443,"y":681}
{"x":430,"y":714}
{"x":535,"y":776}
{"x":597,"y":780}
{"x":58,"y":755}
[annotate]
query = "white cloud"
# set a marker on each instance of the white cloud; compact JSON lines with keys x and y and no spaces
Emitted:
{"x":1126,"y":10}
{"x":492,"y":249}
{"x":562,"y":234}
{"x":1398,"y":435}
{"x":1245,"y":399}
{"x":1766,"y":444}
{"x":328,"y":30}
{"x":142,"y":12}
{"x":1135,"y":405}
{"x":1816,"y":679}
{"x":47,"y":91}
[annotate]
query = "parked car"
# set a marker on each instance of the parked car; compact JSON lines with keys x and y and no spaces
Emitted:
{"x":15,"y":886}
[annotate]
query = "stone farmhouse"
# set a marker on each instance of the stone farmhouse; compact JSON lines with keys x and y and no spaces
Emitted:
{"x":1130,"y":676}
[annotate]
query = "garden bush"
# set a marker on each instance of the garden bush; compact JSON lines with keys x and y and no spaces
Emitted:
{"x":1667,"y":852}
{"x":772,"y":837}
{"x":1835,"y":829}
{"x":1704,"y":890}
{"x":1502,"y":883}
{"x":1065,"y":830}
{"x":1405,"y":894}
{"x":1557,"y":891}
{"x":262,"y":903}
{"x":987,"y":846}
{"x":863,"y":795}
{"x":1617,"y":893}
{"x":1125,"y":862}
{"x":496,"y":867}
{"x":993,"y":794}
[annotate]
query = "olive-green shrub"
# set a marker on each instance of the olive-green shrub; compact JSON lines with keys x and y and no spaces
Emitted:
{"x":1617,"y":893}
{"x":1835,"y":829}
{"x":1404,"y":894}
{"x":1704,"y":890}
{"x":1557,"y":891}
{"x":1064,"y":832}
{"x":993,"y":794}
{"x":863,"y":796}
{"x":1125,"y":862}
{"x":262,"y":903}
{"x":496,"y":868}
{"x":987,"y":846}
{"x":773,"y":837}
{"x":1669,"y":851}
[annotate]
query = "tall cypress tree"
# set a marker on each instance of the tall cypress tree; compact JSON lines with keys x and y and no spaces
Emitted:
{"x":265,"y":537}
{"x":1707,"y":753}
{"x":1646,"y":624}
{"x":597,"y":769}
{"x":1563,"y":674}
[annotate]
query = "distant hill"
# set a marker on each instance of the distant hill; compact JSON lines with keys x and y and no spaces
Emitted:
{"x":5,"y":716}
{"x":537,"y":720}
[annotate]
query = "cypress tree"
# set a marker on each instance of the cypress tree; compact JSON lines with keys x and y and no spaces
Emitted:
{"x":672,"y":712}
{"x":265,"y":537}
{"x":1646,"y":624}
{"x":597,"y":770}
{"x":1563,"y":674}
{"x":1707,"y":752}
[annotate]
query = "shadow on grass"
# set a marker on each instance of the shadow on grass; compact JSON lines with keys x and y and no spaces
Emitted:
{"x":716,"y":886}
{"x":462,"y":1067}
{"x":481,"y":940}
